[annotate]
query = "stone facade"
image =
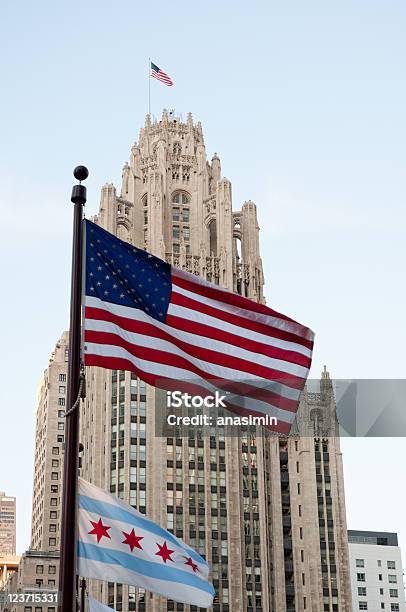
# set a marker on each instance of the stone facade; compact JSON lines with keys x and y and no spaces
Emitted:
{"x":267,"y":512}
{"x":37,"y":573}
{"x":7,"y":524}
{"x":49,"y":447}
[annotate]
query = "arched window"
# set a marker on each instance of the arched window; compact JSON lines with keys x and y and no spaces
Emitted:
{"x":180,"y":220}
{"x":177,"y":148}
{"x":213,"y":237}
{"x":144,"y":212}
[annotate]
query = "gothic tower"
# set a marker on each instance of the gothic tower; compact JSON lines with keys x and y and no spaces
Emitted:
{"x":249,"y":503}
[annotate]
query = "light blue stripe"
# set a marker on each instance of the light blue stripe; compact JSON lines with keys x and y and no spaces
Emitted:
{"x":150,"y":569}
{"x":120,"y":514}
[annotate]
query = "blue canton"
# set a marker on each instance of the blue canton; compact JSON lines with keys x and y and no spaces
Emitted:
{"x":119,"y":273}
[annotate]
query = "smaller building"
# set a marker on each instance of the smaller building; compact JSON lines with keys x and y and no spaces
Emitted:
{"x":7,"y":525}
{"x":37,"y":573}
{"x":8,"y":565}
{"x":376,"y":571}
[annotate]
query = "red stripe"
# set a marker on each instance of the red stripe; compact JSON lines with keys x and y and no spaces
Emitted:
{"x":209,"y":355}
{"x":181,"y":300}
{"x":217,"y":333}
{"x":200,"y":329}
{"x":227,"y":297}
{"x":118,"y":363}
{"x":166,"y":358}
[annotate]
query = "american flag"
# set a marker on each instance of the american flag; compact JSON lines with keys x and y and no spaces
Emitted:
{"x":177,"y":331}
{"x":159,"y":74}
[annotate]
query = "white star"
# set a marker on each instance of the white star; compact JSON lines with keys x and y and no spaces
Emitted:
{"x":98,"y":241}
{"x":162,"y":299}
{"x":147,"y":295}
{"x":149,"y":255}
{"x":92,"y":259}
{"x":106,"y":292}
{"x":91,"y":244}
{"x":111,"y":260}
{"x":99,"y":267}
{"x":121,"y":295}
{"x":156,"y":289}
{"x":107,"y":277}
{"x":127,"y":266}
{"x":105,"y":251}
{"x":91,"y":288}
{"x":90,"y":273}
{"x":114,"y":286}
{"x":119,"y":270}
{"x":140,"y":285}
{"x":98,"y":284}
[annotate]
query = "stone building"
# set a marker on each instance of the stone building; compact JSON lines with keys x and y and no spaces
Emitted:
{"x":36,"y":574}
{"x":267,"y":512}
{"x":49,"y":446}
{"x":7,"y":524}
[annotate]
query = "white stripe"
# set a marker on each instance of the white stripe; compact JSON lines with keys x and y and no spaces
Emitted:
{"x":198,"y":317}
{"x":189,"y":314}
{"x":172,"y":590}
{"x":106,"y":326}
{"x":207,"y":366}
{"x":269,"y":320}
{"x":88,"y":489}
{"x":175,"y":373}
{"x":148,"y":543}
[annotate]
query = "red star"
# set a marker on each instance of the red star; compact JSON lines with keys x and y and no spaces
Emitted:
{"x":164,"y":552}
{"x":100,"y":530}
{"x":194,"y":566}
{"x":132,"y":540}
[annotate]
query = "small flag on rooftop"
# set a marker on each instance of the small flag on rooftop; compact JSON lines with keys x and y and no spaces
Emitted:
{"x":118,"y":542}
{"x":160,"y":75}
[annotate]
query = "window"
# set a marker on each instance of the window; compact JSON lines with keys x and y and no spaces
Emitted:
{"x":54,"y":475}
{"x":62,"y":377}
{"x":55,"y":463}
{"x":379,"y":563}
{"x":393,"y":593}
{"x":54,"y":501}
{"x":362,"y":591}
{"x":52,"y":569}
{"x":61,"y":414}
{"x":359,"y":563}
{"x":362,"y":605}
{"x":394,"y":607}
{"x":62,"y":389}
{"x":52,"y":528}
{"x":53,"y":514}
{"x":52,"y":541}
{"x":61,"y":426}
{"x":361,"y":577}
{"x":392,"y":578}
{"x":176,"y":232}
{"x":379,"y":576}
{"x":60,"y":439}
{"x":55,"y":450}
{"x":39,"y":569}
{"x":61,"y":401}
{"x":391,"y":564}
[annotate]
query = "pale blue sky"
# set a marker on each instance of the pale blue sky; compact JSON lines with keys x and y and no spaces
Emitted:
{"x":304,"y":102}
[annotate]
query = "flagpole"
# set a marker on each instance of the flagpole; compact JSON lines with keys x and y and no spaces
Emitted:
{"x":67,"y":569}
{"x":149,"y":86}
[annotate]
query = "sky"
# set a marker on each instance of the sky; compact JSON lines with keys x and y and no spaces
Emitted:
{"x":303,"y":101}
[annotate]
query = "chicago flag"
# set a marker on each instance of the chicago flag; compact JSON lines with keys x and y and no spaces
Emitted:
{"x":118,"y":543}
